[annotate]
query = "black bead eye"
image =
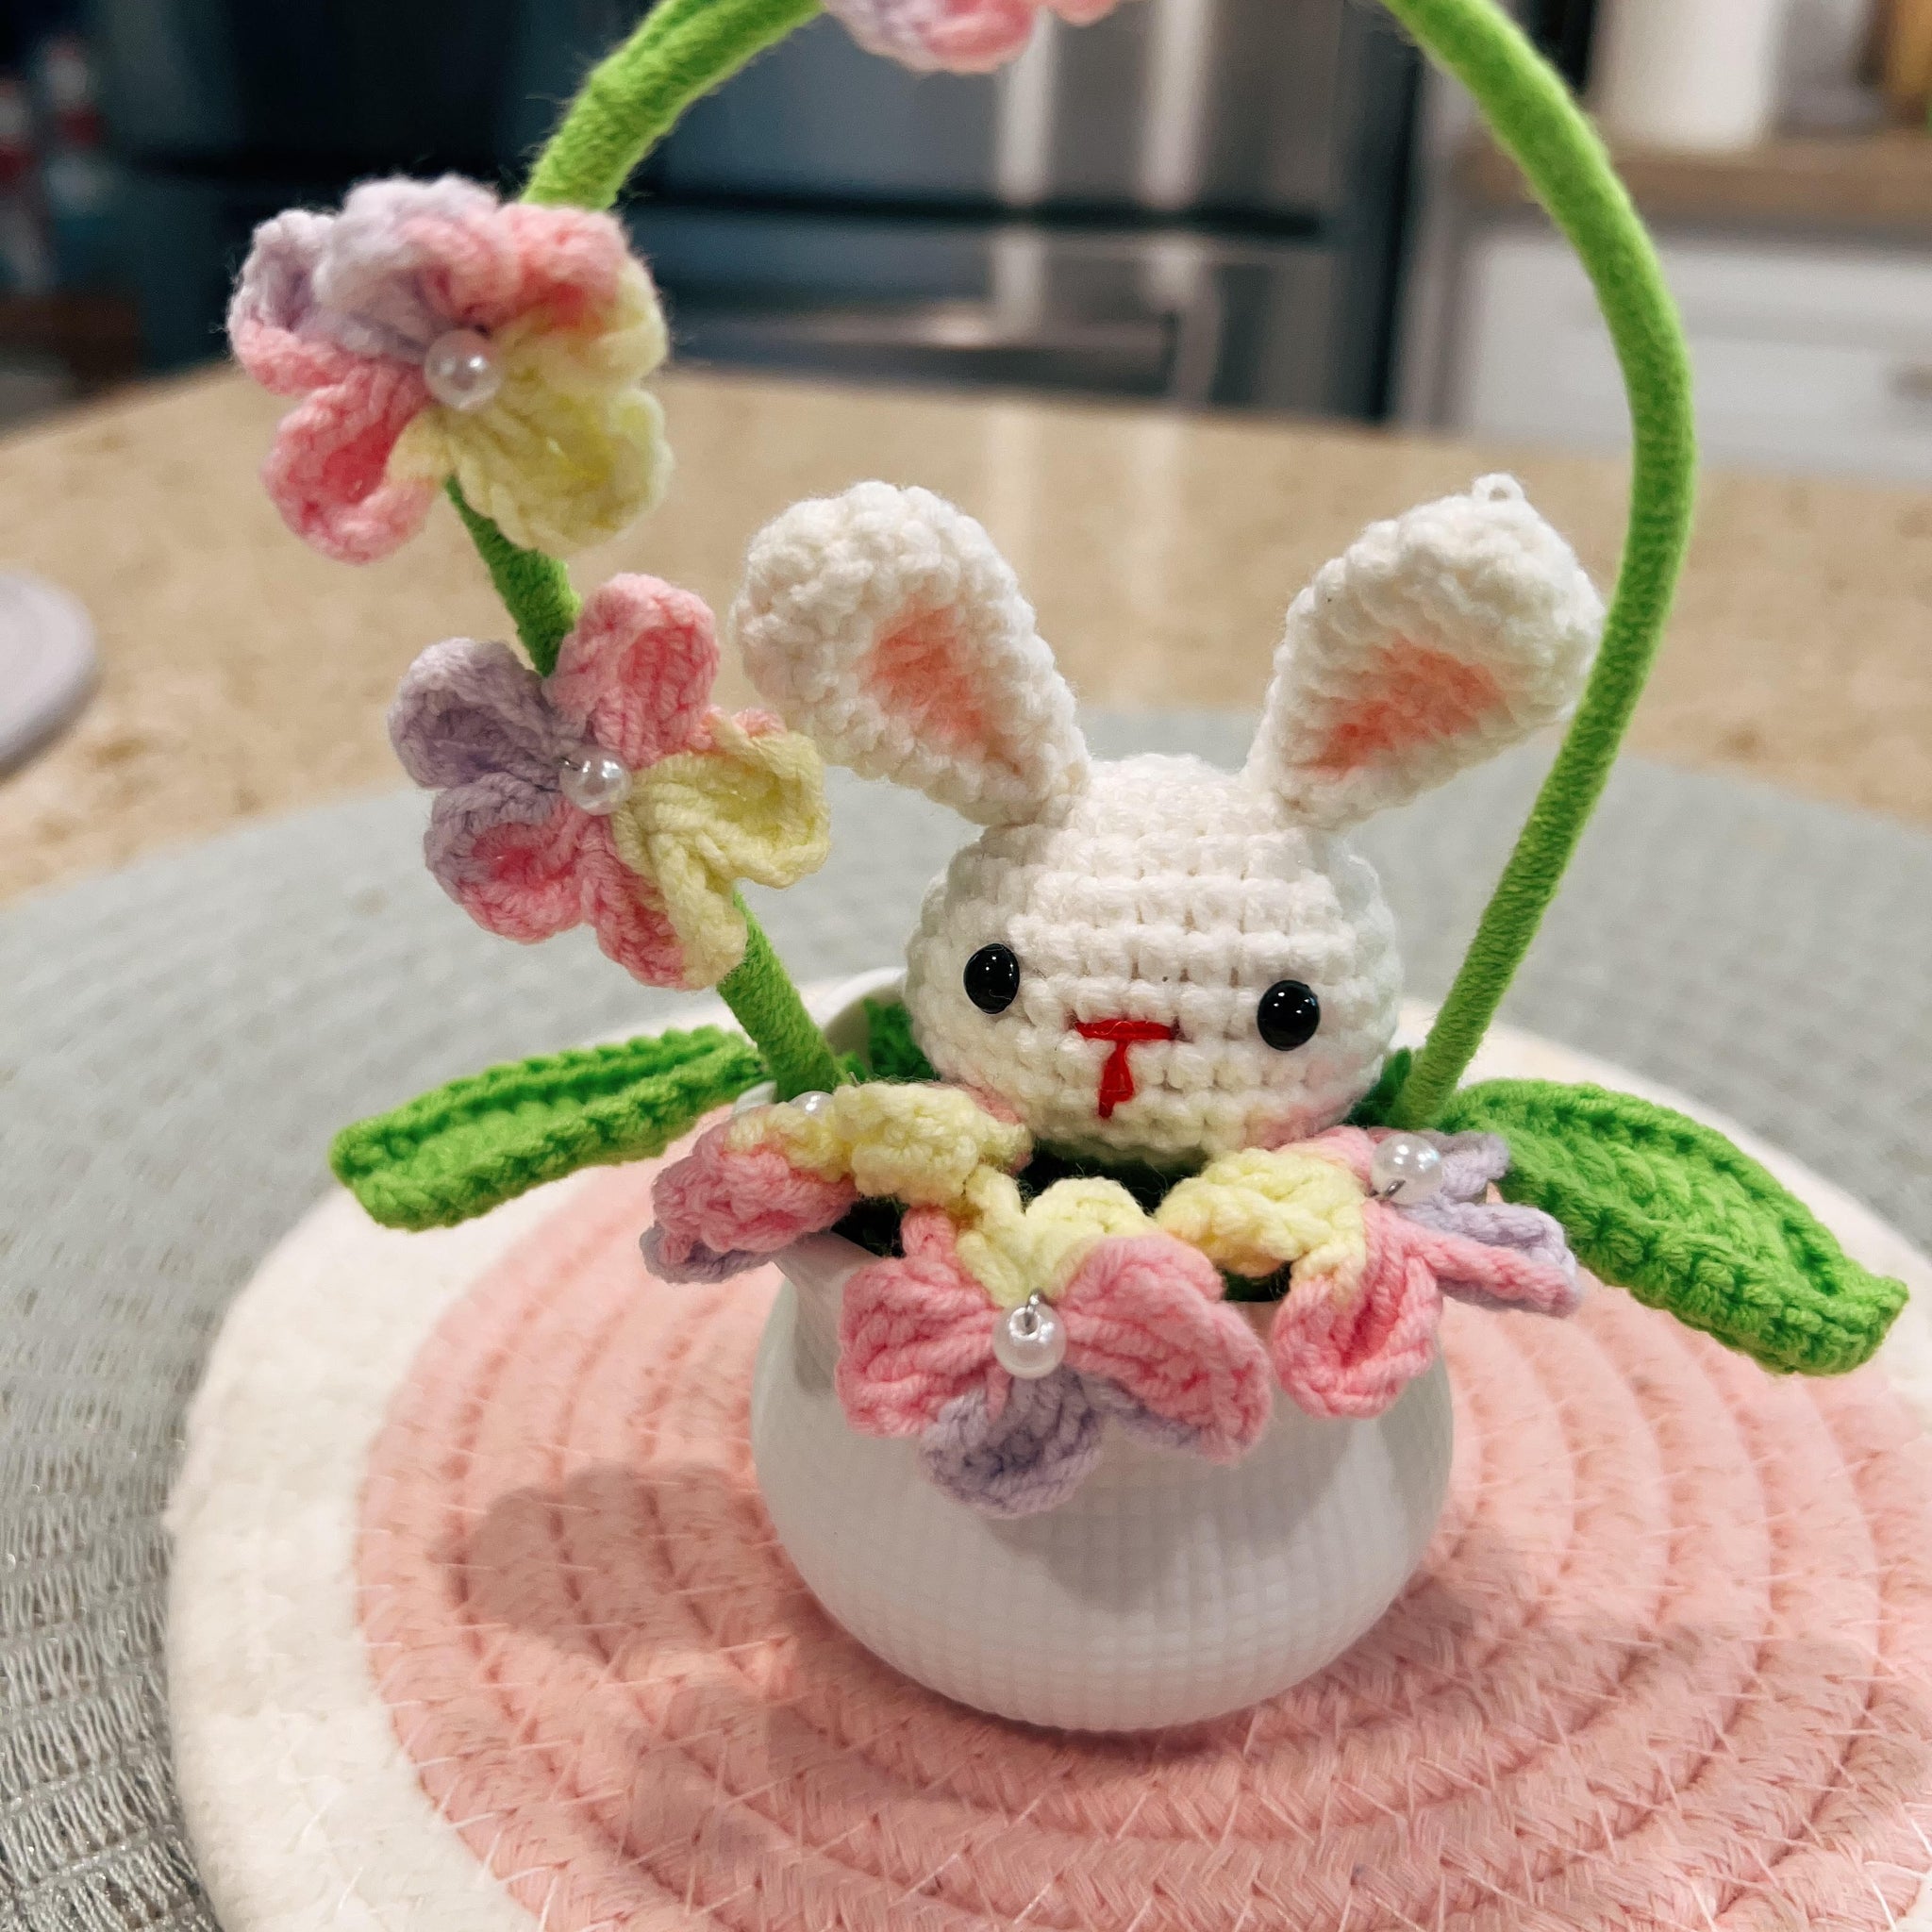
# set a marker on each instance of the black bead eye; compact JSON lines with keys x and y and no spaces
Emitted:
{"x":1288,"y":1015}
{"x":992,"y":978}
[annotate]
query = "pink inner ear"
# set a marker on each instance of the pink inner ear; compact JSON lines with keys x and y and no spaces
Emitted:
{"x":1417,"y":697}
{"x":917,"y":673}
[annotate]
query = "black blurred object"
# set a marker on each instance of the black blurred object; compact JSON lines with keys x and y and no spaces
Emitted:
{"x":1201,"y":200}
{"x":25,"y":24}
{"x":226,"y":111}
{"x":68,"y":326}
{"x":1563,"y":28}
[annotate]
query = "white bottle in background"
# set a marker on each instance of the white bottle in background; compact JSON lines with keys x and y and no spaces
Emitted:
{"x":1689,"y":73}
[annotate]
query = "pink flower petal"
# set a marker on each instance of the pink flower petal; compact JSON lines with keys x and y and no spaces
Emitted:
{"x":721,"y":1200}
{"x":482,"y":269}
{"x":1147,"y":1312}
{"x":1350,"y":1350}
{"x":965,"y":36}
{"x":975,"y":36}
{"x":1494,"y":1276}
{"x":635,"y":676}
{"x":914,"y":1335}
{"x":627,"y":912}
{"x":508,"y":853}
{"x":327,"y":471}
{"x":285,"y":364}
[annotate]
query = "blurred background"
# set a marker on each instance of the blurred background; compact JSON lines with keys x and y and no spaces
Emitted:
{"x":1252,"y":203}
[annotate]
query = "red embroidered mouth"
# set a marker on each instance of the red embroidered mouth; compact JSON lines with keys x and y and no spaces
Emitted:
{"x":1117,"y":1077}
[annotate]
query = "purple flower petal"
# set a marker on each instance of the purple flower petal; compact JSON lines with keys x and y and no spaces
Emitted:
{"x":1496,"y":1224}
{"x":1040,"y":1450}
{"x":1117,"y":1406}
{"x":1471,"y":1163}
{"x":468,"y":711}
{"x":702,"y":1264}
{"x":372,"y":293}
{"x":277,"y":285}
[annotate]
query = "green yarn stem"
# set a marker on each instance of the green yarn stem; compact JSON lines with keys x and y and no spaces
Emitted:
{"x":683,"y":50}
{"x":1531,"y":112}
{"x":535,"y":588}
{"x":761,"y":994}
{"x":629,"y":101}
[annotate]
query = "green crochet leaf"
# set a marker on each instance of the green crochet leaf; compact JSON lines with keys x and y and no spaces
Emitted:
{"x":1670,"y":1210}
{"x":452,"y":1154}
{"x":890,"y":1047}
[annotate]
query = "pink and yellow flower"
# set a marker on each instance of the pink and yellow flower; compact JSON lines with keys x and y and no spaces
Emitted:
{"x":1143,"y":1312}
{"x":959,"y":36}
{"x":434,"y":332}
{"x":1368,"y":1276}
{"x":611,"y":792}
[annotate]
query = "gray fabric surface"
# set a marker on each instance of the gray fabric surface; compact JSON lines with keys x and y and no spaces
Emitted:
{"x":177,"y":1041}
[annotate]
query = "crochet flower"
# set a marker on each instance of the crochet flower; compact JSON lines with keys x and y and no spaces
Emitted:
{"x":1137,"y":1333}
{"x":434,"y":332}
{"x":609,"y":793}
{"x":962,"y":36}
{"x":771,"y":1174}
{"x":1369,"y":1275}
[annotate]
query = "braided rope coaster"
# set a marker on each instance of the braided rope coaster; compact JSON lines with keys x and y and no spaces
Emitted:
{"x":476,"y":1622}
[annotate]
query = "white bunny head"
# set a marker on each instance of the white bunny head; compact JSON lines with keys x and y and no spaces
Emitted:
{"x":1153,"y":960}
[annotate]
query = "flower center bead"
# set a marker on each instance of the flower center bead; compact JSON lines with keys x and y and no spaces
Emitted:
{"x":1030,"y":1342}
{"x":461,"y":370}
{"x":1406,"y":1170}
{"x":595,"y":782}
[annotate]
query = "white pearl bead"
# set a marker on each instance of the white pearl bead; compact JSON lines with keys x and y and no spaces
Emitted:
{"x":1406,"y":1170}
{"x":814,"y":1102}
{"x":461,"y":370}
{"x":1030,"y":1342}
{"x":596,"y":782}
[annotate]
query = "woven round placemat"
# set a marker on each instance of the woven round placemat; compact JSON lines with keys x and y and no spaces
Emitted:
{"x":474,"y":1581}
{"x":180,"y":1041}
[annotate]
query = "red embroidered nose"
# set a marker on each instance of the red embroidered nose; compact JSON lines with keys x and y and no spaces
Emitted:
{"x":1117,"y":1077}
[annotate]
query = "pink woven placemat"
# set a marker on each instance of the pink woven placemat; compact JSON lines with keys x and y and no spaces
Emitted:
{"x":1668,"y":1665}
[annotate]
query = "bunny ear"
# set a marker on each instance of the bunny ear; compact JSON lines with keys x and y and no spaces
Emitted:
{"x":1435,"y":641}
{"x":886,"y":625}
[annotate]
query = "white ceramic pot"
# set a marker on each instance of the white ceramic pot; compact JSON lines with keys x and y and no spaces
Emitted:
{"x":1168,"y":1590}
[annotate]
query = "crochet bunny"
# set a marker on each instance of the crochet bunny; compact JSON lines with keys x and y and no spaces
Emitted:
{"x":1152,"y":960}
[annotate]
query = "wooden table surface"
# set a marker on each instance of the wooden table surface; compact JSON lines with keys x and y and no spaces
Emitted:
{"x":1878,"y":183}
{"x":245,"y":674}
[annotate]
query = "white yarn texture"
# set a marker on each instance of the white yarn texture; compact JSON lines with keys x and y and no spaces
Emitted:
{"x":1169,"y":892}
{"x":1481,"y":579}
{"x":833,"y":580}
{"x":1160,"y":890}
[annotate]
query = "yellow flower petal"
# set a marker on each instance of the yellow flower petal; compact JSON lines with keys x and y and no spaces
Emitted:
{"x":1014,"y":1251}
{"x":571,"y":451}
{"x":919,"y":1145}
{"x":617,"y":356}
{"x":752,"y":807}
{"x":1254,"y":1212}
